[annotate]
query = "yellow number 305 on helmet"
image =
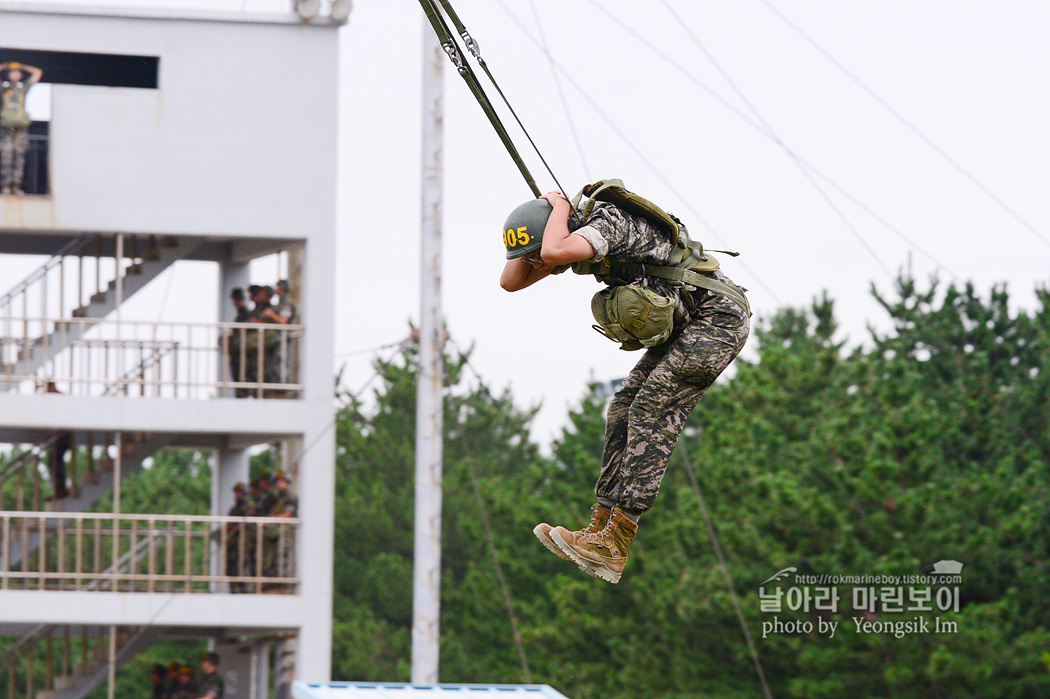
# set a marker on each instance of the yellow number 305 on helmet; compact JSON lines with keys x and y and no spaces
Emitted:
{"x":523,"y":231}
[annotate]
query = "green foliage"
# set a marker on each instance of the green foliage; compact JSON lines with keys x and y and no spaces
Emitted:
{"x":177,"y":482}
{"x":133,"y":680}
{"x":930,"y":443}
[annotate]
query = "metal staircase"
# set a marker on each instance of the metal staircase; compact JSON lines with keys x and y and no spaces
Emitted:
{"x":74,"y":668}
{"x":90,"y":489}
{"x":64,"y":676}
{"x":87,"y":676}
{"x":33,"y":317}
{"x":30,"y":481}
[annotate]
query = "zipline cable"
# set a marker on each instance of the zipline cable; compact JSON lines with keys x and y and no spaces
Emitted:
{"x":764,"y":130}
{"x":455,"y":54}
{"x":561,"y":91}
{"x":640,"y":154}
{"x":475,"y":50}
{"x":764,"y":127}
{"x":776,"y":138}
{"x":795,"y":157}
{"x":911,"y":127}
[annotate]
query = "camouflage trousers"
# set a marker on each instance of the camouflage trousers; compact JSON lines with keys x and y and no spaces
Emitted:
{"x":646,"y":415}
{"x":14,"y":143}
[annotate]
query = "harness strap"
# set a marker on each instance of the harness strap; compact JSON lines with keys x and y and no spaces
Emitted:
{"x":448,"y":43}
{"x":475,"y":50}
{"x":686,"y":277}
{"x":613,"y":191}
{"x":687,"y":263}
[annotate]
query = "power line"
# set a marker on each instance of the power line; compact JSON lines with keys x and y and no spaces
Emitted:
{"x":561,"y":91}
{"x":366,"y":350}
{"x":767,"y":132}
{"x":725,"y":568}
{"x":490,"y":540}
{"x":638,"y":152}
{"x":763,"y":126}
{"x":911,"y":127}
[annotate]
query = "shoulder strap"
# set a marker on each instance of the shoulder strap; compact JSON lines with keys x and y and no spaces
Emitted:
{"x":614,"y":192}
{"x":687,"y":264}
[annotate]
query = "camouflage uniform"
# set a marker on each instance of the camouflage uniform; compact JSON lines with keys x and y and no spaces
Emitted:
{"x":289,"y":347}
{"x":185,"y":688}
{"x":239,"y":561}
{"x":14,"y":134}
{"x":646,"y":415}
{"x":278,"y":541}
{"x":212,"y":686}
{"x":271,"y":340}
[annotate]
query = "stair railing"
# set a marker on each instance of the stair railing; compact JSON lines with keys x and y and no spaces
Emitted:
{"x":160,"y":359}
{"x":186,"y":554}
{"x":25,"y":644}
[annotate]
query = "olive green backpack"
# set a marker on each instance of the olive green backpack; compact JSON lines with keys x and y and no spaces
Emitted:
{"x":633,"y":314}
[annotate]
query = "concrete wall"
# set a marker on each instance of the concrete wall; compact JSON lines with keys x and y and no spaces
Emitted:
{"x":238,"y":140}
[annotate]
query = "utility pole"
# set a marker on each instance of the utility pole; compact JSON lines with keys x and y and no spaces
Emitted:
{"x":426,"y":593}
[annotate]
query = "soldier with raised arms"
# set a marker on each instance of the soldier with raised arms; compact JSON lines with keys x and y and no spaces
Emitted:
{"x":15,"y":81}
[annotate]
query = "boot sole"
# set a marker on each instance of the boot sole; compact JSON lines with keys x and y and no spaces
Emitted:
{"x":597,"y":570}
{"x":541,"y":534}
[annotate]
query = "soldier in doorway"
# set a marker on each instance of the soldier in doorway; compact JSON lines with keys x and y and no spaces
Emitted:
{"x":172,"y":683}
{"x":240,"y":302}
{"x":263,"y":312}
{"x":285,"y":308}
{"x":157,"y":675}
{"x":211,"y":685}
{"x":278,"y":549}
{"x":237,"y":340}
{"x":264,"y":486}
{"x":15,"y":81}
{"x":287,"y":314}
{"x":238,"y":540}
{"x":186,"y":687}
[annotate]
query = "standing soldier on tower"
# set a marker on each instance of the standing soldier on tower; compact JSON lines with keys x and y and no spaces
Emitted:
{"x":15,"y":81}
{"x":277,"y":542}
{"x":286,"y":310}
{"x":288,"y":313}
{"x":238,"y":540}
{"x":211,"y":685}
{"x":236,"y":340}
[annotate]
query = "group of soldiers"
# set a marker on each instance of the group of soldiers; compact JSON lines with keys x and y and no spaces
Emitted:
{"x":266,"y":496}
{"x":177,"y":680}
{"x":244,"y":344}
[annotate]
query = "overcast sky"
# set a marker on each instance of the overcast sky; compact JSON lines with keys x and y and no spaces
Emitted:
{"x":831,"y":143}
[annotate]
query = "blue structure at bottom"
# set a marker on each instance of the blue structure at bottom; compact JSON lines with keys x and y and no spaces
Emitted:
{"x":400,"y":690}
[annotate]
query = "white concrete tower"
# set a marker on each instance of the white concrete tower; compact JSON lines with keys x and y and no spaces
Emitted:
{"x":173,"y":136}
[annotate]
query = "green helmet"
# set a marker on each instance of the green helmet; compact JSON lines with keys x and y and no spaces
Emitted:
{"x":523,"y":231}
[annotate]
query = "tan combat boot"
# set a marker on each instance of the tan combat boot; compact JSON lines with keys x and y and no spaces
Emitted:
{"x":603,"y":553}
{"x":599,"y":516}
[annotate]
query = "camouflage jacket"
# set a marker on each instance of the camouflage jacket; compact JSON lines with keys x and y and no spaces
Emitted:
{"x":616,"y":234}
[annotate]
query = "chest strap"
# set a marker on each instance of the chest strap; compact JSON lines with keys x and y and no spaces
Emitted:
{"x":689,"y":279}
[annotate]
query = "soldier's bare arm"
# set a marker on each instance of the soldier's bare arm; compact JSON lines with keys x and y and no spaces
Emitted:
{"x":521,"y":273}
{"x":560,"y":247}
{"x":34,"y":74}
